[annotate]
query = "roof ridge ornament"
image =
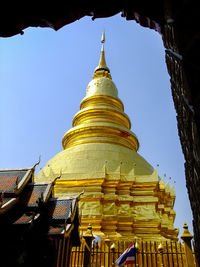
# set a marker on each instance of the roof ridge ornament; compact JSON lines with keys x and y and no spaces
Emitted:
{"x":102,"y":70}
{"x":37,"y":163}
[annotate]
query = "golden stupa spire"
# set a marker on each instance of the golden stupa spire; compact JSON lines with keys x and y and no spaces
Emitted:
{"x":101,"y":118}
{"x":102,"y":70}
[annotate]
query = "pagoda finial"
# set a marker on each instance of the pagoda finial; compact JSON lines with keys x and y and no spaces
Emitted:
{"x":103,"y":37}
{"x":102,"y":70}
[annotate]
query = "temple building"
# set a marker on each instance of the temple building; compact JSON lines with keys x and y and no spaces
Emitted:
{"x":122,"y":195}
{"x":39,"y":229}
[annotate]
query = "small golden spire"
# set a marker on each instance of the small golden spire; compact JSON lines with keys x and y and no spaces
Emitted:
{"x":103,"y":37}
{"x":186,"y":234}
{"x":102,"y":68}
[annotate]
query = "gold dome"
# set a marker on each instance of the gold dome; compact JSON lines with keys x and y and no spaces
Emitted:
{"x":96,"y":160}
{"x":102,"y":86}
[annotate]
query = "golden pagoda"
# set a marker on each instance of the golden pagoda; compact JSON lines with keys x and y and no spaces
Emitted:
{"x":122,"y":195}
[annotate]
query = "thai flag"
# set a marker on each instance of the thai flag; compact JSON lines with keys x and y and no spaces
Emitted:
{"x":128,"y":257}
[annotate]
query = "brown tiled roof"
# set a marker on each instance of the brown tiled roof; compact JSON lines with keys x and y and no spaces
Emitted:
{"x":13,"y":181}
{"x":60,"y":209}
{"x":24,"y":219}
{"x":31,"y":197}
{"x":60,"y":229}
{"x":33,"y":193}
{"x":56,"y":230}
{"x":8,"y":182}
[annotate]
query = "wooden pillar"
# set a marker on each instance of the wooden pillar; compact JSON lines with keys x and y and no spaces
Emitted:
{"x":68,"y":251}
{"x":88,"y":246}
{"x":186,"y":237}
{"x":59,"y":252}
{"x":63,"y":253}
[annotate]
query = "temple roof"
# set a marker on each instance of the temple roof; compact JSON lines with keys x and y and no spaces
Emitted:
{"x":12,"y":181}
{"x":24,"y":203}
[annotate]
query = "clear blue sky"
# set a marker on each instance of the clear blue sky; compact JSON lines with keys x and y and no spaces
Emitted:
{"x":43,"y":78}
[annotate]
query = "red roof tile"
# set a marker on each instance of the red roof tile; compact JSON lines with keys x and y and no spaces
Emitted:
{"x":7,"y":182}
{"x":59,"y":211}
{"x":30,"y":197}
{"x":23,"y":219}
{"x":56,"y":230}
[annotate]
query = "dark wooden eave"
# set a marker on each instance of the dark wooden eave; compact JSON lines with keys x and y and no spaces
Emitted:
{"x":58,"y":15}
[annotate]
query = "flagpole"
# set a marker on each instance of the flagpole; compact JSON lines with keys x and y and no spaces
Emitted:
{"x":135,"y":253}
{"x":113,"y":252}
{"x":137,"y":249}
